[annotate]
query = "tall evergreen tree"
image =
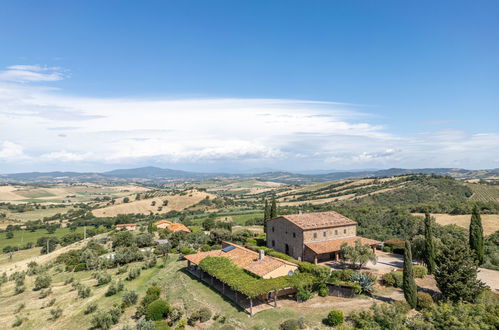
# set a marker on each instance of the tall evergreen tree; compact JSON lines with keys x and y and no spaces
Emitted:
{"x":476,"y":235}
{"x":266,"y":211}
{"x":429,"y":251}
{"x":456,"y":273}
{"x":266,"y":216}
{"x":408,"y":283}
{"x":273,"y":208}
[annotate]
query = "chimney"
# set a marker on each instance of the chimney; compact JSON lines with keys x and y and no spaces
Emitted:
{"x":261,"y":255}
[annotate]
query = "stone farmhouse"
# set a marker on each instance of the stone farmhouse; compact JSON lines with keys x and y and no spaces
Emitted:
{"x":313,"y":237}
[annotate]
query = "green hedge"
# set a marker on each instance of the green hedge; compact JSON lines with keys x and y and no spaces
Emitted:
{"x":239,"y":280}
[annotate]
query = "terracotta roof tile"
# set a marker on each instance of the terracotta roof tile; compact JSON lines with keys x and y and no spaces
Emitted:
{"x":178,"y":227}
{"x":318,"y":220}
{"x":335,"y":244}
{"x":162,"y":221}
{"x":244,"y":258}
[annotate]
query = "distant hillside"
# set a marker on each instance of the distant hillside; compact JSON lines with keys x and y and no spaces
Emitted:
{"x":159,"y":175}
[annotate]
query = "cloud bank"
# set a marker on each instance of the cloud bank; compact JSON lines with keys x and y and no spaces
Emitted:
{"x":41,"y":127}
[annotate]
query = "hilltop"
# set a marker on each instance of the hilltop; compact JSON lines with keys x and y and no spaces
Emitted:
{"x":159,"y":175}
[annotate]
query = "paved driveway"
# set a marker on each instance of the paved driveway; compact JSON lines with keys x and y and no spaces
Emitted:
{"x":388,"y":262}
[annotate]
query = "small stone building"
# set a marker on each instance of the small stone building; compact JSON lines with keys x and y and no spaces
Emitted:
{"x":313,"y":237}
{"x":257,"y":263}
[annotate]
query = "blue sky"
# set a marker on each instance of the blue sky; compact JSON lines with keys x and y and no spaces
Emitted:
{"x":228,"y":85}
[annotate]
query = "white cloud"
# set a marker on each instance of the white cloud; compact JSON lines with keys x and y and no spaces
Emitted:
{"x":10,"y":152}
{"x":31,"y":73}
{"x":278,"y":133}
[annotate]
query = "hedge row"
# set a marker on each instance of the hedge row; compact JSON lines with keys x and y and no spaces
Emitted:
{"x":239,"y":280}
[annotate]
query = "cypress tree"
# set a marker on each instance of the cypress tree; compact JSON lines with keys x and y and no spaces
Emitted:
{"x":429,"y":252}
{"x":408,"y":283}
{"x":273,"y":209}
{"x":266,"y":216}
{"x":266,"y":211}
{"x":476,"y":235}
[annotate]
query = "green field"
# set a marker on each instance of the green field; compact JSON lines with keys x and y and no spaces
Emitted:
{"x":22,"y":237}
{"x":35,"y":214}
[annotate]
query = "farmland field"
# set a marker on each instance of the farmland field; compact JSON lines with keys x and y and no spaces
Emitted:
{"x":490,"y":221}
{"x":22,"y":237}
{"x":484,"y":192}
{"x":36,"y":214}
{"x":154,"y":205}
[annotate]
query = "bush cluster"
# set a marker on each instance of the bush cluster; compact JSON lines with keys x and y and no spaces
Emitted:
{"x":335,"y":318}
{"x":202,"y":315}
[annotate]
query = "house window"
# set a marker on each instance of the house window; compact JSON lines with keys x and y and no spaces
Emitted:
{"x":272,"y":229}
{"x":273,"y":243}
{"x":294,"y":234}
{"x":324,"y":234}
{"x":336,"y":232}
{"x":315,"y":235}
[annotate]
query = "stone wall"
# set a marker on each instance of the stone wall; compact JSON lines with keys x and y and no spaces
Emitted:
{"x":319,"y":235}
{"x":281,"y":232}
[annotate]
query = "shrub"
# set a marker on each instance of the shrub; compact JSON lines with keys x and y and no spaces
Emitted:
{"x":334,"y":318}
{"x":365,"y":280}
{"x":387,"y":249}
{"x":68,"y":280}
{"x":133,"y":273}
{"x":303,"y":294}
{"x":122,"y":270}
{"x":50,"y":303}
{"x":114,"y":288}
{"x":323,"y":290}
{"x":161,"y":325}
{"x":393,"y":279}
{"x":129,"y":298}
{"x":44,"y":293}
{"x":204,"y":314}
{"x":106,"y":319}
{"x":20,"y":307}
{"x":201,"y":315}
{"x":157,"y":310}
{"x":419,"y":271}
{"x":397,"y":245}
{"x":19,"y":289}
{"x":90,"y":308}
{"x":56,"y":313}
{"x":42,"y":281}
{"x":102,"y":278}
{"x":144,"y":324}
{"x":83,"y":291}
{"x":18,"y":321}
{"x":425,"y":301}
{"x":291,"y":324}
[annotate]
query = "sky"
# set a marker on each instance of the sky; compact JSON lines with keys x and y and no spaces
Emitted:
{"x":248,"y":85}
